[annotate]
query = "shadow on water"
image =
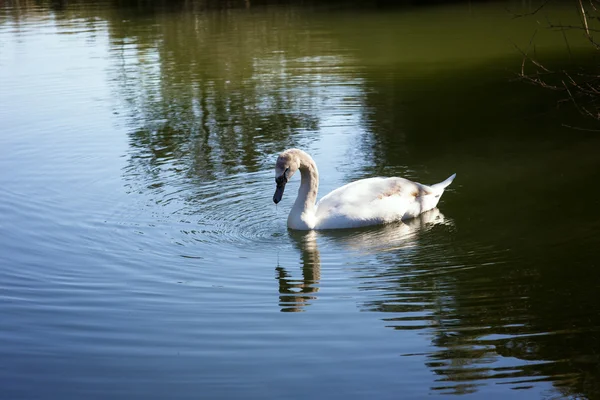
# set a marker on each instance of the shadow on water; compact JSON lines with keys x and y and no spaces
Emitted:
{"x":494,"y":314}
{"x":515,"y":284}
{"x":513,"y":300}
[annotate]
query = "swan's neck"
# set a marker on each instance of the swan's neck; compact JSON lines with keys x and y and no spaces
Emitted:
{"x":302,"y":215}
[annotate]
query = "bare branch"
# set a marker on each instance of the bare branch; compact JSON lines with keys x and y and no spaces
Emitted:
{"x":580,"y":129}
{"x":531,"y":60}
{"x":569,"y":27}
{"x":582,"y":111}
{"x":580,"y":87}
{"x":515,"y":15}
{"x":583,"y":16}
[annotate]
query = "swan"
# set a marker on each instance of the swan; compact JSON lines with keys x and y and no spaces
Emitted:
{"x":365,"y":202}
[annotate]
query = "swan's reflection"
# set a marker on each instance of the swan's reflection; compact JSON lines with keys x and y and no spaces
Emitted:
{"x":295,"y":294}
{"x":382,"y":238}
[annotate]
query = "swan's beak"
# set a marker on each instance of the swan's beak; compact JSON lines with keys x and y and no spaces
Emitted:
{"x":278,"y":193}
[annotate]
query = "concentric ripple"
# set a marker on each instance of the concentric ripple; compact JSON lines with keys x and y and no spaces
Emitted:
{"x":234,"y":209}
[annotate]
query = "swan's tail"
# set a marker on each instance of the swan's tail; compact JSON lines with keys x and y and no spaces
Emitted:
{"x":439,"y":187}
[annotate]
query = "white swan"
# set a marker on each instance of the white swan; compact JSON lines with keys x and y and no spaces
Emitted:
{"x":364,"y":202}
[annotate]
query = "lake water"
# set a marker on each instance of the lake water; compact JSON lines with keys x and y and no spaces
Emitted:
{"x":141,"y":255}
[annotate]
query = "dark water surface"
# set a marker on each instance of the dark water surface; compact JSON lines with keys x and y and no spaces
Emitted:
{"x":141,"y":255}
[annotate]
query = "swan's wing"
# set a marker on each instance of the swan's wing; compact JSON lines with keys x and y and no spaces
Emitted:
{"x":371,"y":201}
{"x":368,"y":190}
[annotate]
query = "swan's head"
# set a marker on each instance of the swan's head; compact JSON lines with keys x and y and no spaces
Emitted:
{"x":287,"y":164}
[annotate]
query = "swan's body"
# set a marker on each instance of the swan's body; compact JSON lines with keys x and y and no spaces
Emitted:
{"x":364,"y":202}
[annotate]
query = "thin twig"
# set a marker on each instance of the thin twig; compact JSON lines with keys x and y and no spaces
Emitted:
{"x":580,"y":129}
{"x":529,"y":13}
{"x":581,"y":88}
{"x":583,"y":16}
{"x":572,"y":98}
{"x":567,"y":43}
{"x":569,"y":27}
{"x":526,"y":57}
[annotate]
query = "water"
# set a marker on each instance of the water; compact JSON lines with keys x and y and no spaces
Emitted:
{"x":141,"y":255}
